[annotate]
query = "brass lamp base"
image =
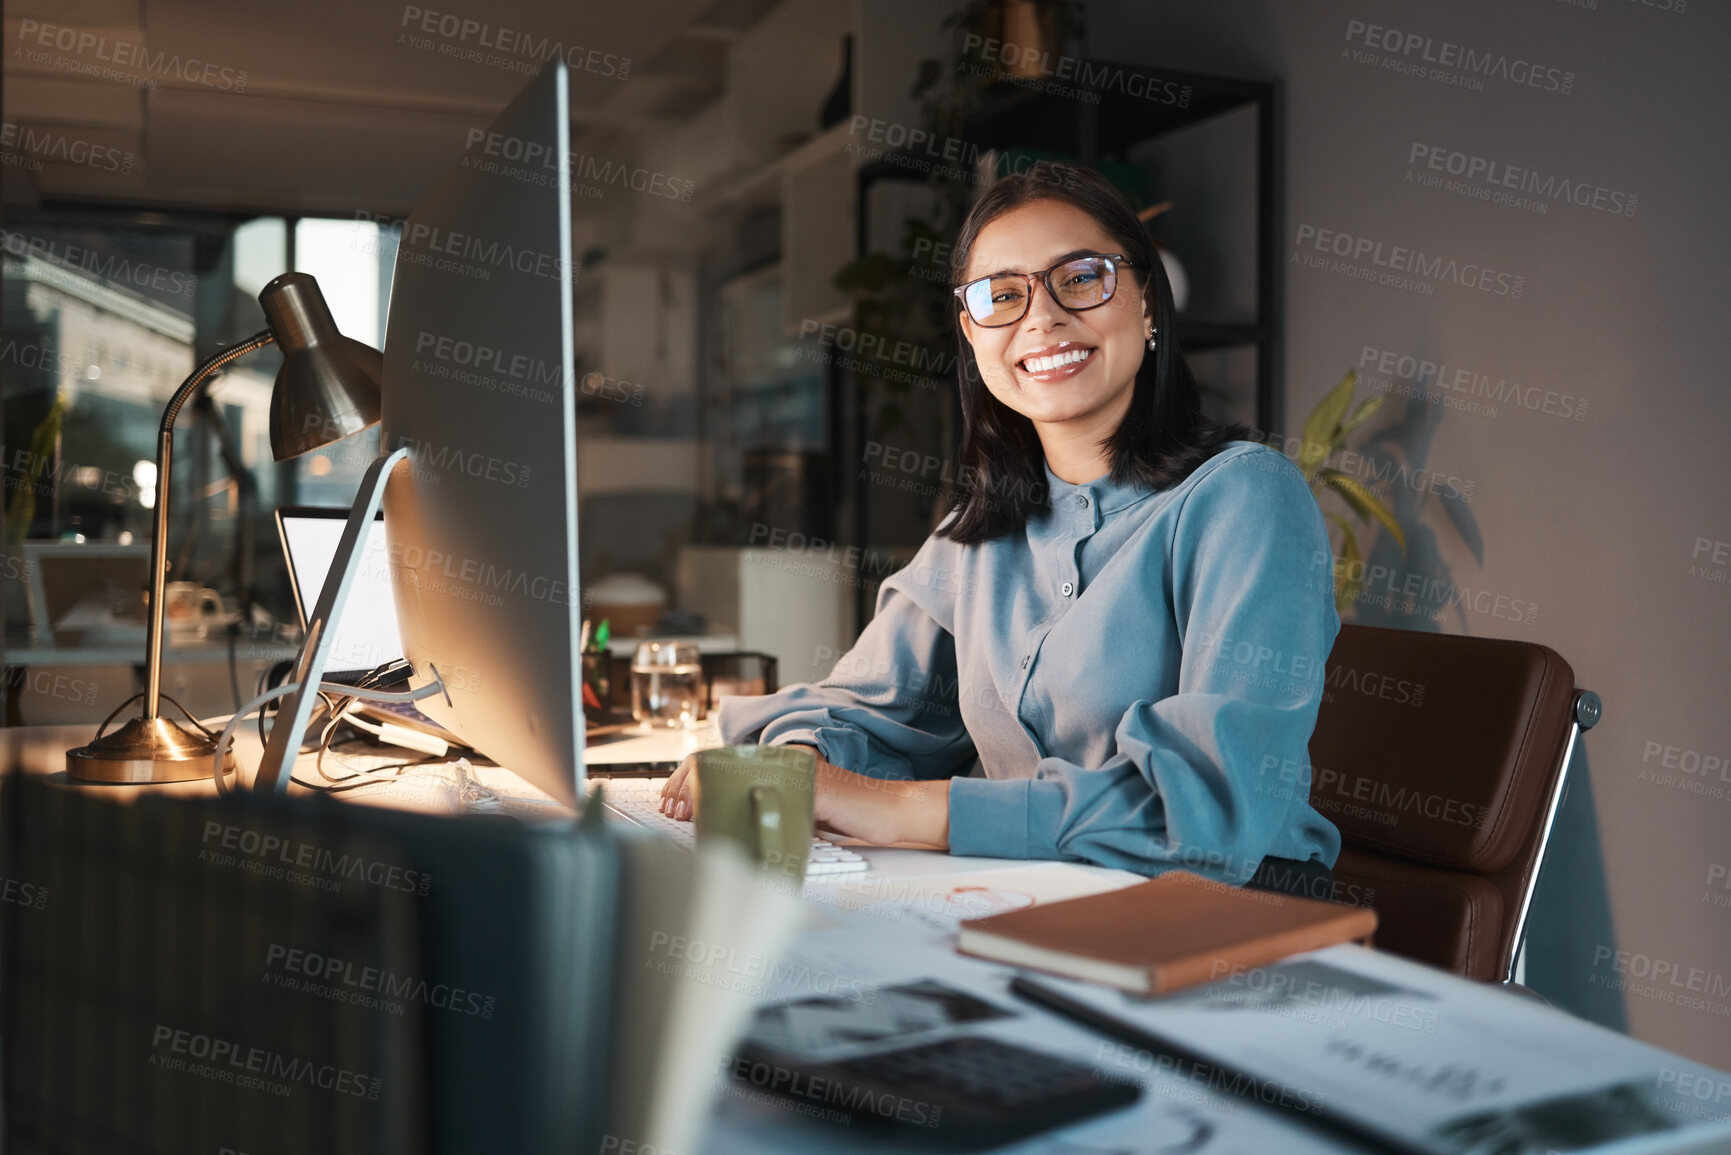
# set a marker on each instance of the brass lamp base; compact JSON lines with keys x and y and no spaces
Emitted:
{"x":147,"y":750}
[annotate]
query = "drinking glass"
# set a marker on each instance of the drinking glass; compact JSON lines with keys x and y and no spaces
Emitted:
{"x":666,"y":685}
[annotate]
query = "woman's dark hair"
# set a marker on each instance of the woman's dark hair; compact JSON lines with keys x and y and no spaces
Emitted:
{"x":1163,"y":436}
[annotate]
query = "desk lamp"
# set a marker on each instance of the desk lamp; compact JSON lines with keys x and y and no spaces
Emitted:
{"x":326,"y":390}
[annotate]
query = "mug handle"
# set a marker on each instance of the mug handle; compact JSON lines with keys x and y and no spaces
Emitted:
{"x":768,"y":827}
{"x":209,"y":602}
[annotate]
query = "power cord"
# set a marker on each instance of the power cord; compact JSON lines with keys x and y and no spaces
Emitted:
{"x":336,"y":705}
{"x":336,"y":712}
{"x":356,"y":778}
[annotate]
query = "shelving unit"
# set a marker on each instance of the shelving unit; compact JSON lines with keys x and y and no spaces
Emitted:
{"x":702,"y":301}
{"x":783,"y":435}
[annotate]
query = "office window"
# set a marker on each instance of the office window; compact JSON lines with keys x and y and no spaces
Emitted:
{"x":98,"y":331}
{"x":103,"y":314}
{"x":352,"y":260}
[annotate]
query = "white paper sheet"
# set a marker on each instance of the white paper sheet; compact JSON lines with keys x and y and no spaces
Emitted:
{"x":855,"y":954}
{"x":1432,"y":1060}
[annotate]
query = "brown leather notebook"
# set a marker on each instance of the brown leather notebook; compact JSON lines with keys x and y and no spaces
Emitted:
{"x":1173,"y":931}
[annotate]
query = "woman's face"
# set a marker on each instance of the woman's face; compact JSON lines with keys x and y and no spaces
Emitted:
{"x":1112,"y":338}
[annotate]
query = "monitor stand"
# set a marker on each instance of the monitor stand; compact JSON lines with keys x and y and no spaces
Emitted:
{"x":291,"y":720}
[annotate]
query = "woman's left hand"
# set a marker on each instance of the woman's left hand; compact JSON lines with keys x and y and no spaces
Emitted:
{"x":884,"y":811}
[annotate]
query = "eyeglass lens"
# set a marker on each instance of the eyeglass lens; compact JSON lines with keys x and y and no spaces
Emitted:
{"x":1076,"y":285}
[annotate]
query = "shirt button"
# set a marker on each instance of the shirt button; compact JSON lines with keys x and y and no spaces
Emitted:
{"x":1084,"y":500}
{"x":1024,"y":663}
{"x":1067,"y":589}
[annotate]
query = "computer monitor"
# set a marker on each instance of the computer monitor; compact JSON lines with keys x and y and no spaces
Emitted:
{"x":479,"y":386}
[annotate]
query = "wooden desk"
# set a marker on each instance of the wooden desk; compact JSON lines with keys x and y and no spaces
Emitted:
{"x":913,"y":876}
{"x":430,"y":789}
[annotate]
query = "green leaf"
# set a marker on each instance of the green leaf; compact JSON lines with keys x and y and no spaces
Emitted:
{"x":1322,"y":427}
{"x":1348,"y":573}
{"x":1366,"y":504}
{"x":21,"y":512}
{"x":1366,"y":409}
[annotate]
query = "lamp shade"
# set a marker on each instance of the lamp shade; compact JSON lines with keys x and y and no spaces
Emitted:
{"x":328,"y":386}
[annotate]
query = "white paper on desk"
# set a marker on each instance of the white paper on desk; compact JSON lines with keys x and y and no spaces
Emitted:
{"x":1429,"y":1059}
{"x":855,"y":955}
{"x":939,"y":904}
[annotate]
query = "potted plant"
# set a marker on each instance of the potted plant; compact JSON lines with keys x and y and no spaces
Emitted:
{"x":1325,"y":434}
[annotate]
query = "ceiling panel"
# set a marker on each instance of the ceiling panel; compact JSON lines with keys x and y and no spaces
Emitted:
{"x":320,"y":105}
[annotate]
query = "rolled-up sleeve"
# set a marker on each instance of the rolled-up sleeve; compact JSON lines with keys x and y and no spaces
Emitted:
{"x":889,"y":707}
{"x":1216,"y":776}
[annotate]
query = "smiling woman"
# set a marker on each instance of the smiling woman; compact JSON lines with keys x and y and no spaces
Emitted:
{"x":1127,"y":404}
{"x":1108,"y":671}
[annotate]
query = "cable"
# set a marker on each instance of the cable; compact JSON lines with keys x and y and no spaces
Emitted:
{"x":266,"y":679}
{"x":338,"y":784}
{"x":335,"y":709}
{"x":372,"y":775}
{"x":222,"y":742}
{"x":337,"y":713}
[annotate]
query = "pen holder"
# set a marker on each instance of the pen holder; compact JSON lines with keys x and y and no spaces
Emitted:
{"x":598,"y":681}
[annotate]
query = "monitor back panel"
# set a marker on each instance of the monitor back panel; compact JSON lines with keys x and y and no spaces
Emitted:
{"x":481,"y":520}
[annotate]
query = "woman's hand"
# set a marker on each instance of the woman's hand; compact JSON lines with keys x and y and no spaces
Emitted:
{"x":678,"y":797}
{"x":884,"y":811}
{"x":877,"y":810}
{"x":676,"y":793}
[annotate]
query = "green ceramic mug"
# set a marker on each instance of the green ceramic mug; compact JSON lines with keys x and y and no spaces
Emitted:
{"x":761,"y":798}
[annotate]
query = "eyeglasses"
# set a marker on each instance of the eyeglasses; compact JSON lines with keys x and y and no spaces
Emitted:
{"x":1077,"y":284}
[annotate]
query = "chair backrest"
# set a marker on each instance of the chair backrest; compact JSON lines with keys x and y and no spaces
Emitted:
{"x":1442,"y":761}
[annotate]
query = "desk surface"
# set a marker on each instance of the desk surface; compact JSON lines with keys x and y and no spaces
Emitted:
{"x":436,"y":788}
{"x":428,"y":789}
{"x":897,"y":922}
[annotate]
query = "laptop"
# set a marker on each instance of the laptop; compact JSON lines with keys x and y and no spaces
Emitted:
{"x":365,"y":636}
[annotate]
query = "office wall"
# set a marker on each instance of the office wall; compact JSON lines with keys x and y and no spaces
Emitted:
{"x":1559,"y":285}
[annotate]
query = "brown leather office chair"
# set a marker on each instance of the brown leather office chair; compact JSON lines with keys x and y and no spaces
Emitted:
{"x":1442,"y":760}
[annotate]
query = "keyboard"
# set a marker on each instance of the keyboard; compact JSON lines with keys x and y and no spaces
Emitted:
{"x":639,"y":800}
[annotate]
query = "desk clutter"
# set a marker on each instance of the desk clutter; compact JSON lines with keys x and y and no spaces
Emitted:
{"x":1385,"y":1054}
{"x":1332,"y":1051}
{"x":186,"y":974}
{"x":254,"y":974}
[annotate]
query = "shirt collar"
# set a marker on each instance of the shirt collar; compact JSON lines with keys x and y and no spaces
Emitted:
{"x":1102,"y":493}
{"x":1083,"y":507}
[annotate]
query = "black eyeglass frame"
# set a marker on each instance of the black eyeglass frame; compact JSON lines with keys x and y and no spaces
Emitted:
{"x":1113,"y":260}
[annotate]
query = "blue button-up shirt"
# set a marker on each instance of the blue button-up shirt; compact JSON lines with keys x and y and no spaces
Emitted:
{"x":1131,"y":681}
